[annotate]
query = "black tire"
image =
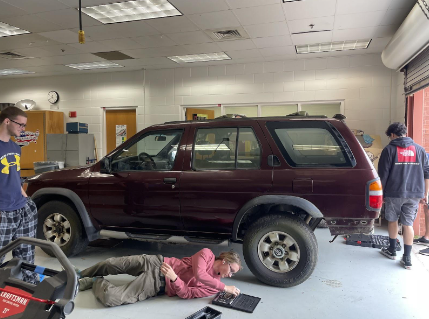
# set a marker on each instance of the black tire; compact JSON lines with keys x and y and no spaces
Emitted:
{"x":298,"y":242}
{"x":72,"y":239}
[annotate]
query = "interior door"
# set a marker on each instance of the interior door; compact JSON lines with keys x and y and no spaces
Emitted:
{"x":142,"y":191}
{"x":121,"y":125}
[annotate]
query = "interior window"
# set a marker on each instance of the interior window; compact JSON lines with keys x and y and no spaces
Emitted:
{"x":155,"y":151}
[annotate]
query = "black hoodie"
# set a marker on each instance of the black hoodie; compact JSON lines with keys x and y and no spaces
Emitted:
{"x":403,"y":168}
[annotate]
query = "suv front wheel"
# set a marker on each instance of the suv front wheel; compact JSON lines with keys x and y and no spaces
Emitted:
{"x":59,"y":223}
{"x":280,"y":250}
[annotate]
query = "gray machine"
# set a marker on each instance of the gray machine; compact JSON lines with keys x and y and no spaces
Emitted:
{"x":72,"y":149}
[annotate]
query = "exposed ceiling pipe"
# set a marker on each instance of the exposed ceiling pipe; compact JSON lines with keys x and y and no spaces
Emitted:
{"x":411,"y":38}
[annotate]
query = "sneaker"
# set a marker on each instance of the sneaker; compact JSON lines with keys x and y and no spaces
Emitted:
{"x":406,"y":261}
{"x":421,"y":241}
{"x":424,"y":252}
{"x":86,"y":283}
{"x":386,"y":252}
{"x":77,"y":271}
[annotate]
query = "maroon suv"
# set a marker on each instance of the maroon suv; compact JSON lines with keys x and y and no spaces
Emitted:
{"x":263,"y":182}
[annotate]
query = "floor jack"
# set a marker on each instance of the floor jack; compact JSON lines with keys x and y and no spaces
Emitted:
{"x":53,"y":298}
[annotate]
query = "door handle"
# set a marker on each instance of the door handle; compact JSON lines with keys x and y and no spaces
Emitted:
{"x":170,"y":180}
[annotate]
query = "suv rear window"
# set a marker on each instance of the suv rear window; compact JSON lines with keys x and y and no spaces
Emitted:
{"x":216,"y":148}
{"x":310,"y":144}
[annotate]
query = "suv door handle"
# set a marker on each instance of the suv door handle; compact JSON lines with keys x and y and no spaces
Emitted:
{"x":170,"y":180}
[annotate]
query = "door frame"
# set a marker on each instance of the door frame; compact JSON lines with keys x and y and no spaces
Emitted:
{"x":103,"y":120}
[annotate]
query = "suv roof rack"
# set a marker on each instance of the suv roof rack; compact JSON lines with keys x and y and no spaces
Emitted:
{"x":304,"y":114}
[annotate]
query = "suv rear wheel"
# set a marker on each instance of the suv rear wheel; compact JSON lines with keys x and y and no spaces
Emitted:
{"x":280,"y":250}
{"x":59,"y":223}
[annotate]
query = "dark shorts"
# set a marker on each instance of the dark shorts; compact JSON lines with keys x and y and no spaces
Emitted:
{"x":404,"y":209}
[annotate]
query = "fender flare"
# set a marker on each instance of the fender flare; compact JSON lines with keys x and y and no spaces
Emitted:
{"x":274,"y":200}
{"x":90,"y":230}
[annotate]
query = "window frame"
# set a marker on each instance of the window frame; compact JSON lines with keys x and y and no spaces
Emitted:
{"x":236,"y":148}
{"x":339,"y":139}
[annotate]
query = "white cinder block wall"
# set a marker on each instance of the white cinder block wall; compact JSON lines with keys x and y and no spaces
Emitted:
{"x":367,"y":87}
{"x":371,"y":92}
{"x":87,"y":94}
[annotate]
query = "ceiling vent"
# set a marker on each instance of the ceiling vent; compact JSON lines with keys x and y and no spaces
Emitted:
{"x":227,"y":34}
{"x":13,"y":56}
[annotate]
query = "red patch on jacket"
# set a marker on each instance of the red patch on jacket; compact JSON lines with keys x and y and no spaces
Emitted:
{"x":406,"y":154}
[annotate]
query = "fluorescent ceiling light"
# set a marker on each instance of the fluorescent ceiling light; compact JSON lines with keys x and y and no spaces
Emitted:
{"x":7,"y":30}
{"x":94,"y":65}
{"x":200,"y":57}
{"x":332,"y":46}
{"x":132,"y":11}
{"x":14,"y":72}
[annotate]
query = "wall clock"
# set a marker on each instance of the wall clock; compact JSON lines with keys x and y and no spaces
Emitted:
{"x":53,"y":97}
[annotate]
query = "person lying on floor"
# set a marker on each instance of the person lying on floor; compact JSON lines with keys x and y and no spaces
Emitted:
{"x":190,"y":277}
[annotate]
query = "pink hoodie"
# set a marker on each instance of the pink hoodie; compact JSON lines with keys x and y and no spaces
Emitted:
{"x":195,"y":276}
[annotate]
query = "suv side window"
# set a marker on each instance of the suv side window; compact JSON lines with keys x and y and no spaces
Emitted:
{"x":216,"y":148}
{"x":154,"y":151}
{"x":309,"y":144}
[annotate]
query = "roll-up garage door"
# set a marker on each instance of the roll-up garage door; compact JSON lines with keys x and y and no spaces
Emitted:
{"x":417,"y":73}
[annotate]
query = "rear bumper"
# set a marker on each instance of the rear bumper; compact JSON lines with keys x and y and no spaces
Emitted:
{"x":345,"y":226}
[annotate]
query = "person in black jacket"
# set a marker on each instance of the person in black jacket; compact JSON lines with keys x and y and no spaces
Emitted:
{"x":404,"y":172}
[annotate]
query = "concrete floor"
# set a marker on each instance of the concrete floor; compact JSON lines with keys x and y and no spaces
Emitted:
{"x":348,"y":282}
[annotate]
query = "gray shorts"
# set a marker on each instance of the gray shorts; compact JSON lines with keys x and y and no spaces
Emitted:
{"x":404,"y":209}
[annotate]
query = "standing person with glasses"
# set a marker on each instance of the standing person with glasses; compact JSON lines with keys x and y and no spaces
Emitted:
{"x":404,"y":173}
{"x":18,"y":212}
{"x":190,"y":277}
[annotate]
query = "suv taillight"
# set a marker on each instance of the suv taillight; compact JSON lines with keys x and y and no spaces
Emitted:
{"x":374,"y":194}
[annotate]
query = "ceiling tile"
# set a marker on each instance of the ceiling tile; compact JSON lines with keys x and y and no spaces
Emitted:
{"x":394,"y":16}
{"x":244,"y":54}
{"x":172,"y":24}
{"x":9,"y":10}
{"x":309,"y":38}
{"x":405,"y":4}
{"x":63,"y":36}
{"x":190,"y":37}
{"x":268,"y":42}
{"x":235,"y":4}
{"x":201,"y":48}
{"x":156,"y":52}
{"x":91,"y":47}
{"x":236,"y":45}
{"x":121,"y":44}
{"x":262,"y":14}
{"x":25,"y":41}
{"x":215,"y":20}
{"x":267,"y":29}
{"x":32,"y":6}
{"x":61,"y":49}
{"x":353,"y":6}
{"x":102,"y":32}
{"x":353,"y":34}
{"x":200,"y":6}
{"x":385,"y":31}
{"x":33,"y":52}
{"x":267,"y":52}
{"x":154,"y":41}
{"x":309,"y":9}
{"x":72,"y":58}
{"x":67,"y":19}
{"x":31,"y":23}
{"x":133,"y":29}
{"x":87,"y":3}
{"x":304,"y":25}
{"x":359,"y":20}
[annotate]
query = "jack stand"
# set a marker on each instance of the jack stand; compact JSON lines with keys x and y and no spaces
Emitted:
{"x":335,"y":237}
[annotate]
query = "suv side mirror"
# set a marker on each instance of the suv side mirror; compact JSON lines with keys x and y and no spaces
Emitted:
{"x":105,"y":166}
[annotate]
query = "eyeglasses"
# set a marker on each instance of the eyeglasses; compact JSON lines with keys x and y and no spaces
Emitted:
{"x":231,"y":273}
{"x":20,"y":124}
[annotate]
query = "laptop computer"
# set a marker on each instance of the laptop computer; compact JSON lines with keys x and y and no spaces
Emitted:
{"x":241,"y":302}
